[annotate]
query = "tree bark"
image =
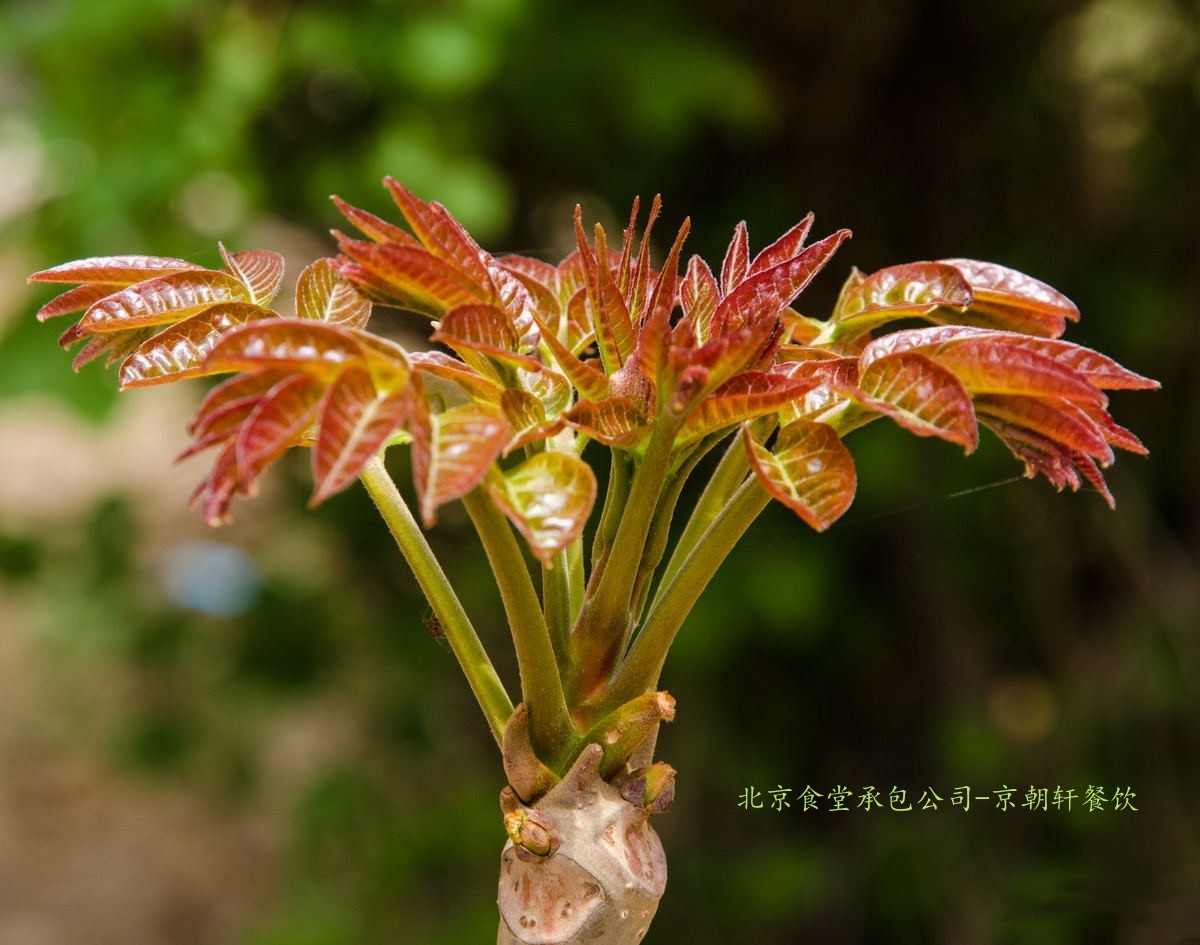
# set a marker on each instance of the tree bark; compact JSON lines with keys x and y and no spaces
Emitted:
{"x":588,"y":869}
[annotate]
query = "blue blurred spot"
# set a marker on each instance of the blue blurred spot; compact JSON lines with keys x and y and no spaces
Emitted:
{"x":210,"y":577}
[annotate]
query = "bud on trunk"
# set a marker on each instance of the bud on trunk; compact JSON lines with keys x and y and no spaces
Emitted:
{"x":602,"y":881}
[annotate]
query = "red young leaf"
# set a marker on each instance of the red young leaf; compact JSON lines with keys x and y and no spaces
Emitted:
{"x":786,"y":247}
{"x":766,"y":294}
{"x":260,"y":271}
{"x":1006,"y":298}
{"x":452,"y":451}
{"x":75,"y":300}
{"x":113,"y":270}
{"x":180,"y":350}
{"x":698,"y":296}
{"x":407,"y":277}
{"x":279,"y":421}
{"x":914,"y":289}
{"x":737,"y":259}
{"x":356,"y":421}
{"x":442,"y":235}
{"x":234,"y":390}
{"x":162,"y":300}
{"x":442,"y":367}
{"x":113,"y":346}
{"x":482,"y":328}
{"x":1060,"y":422}
{"x":808,"y":469}
{"x":993,"y":367}
{"x":373,"y":227}
{"x":1040,"y":454}
{"x":548,"y":497}
{"x":286,"y":343}
{"x":614,"y":421}
{"x":323,"y":295}
{"x":610,"y":314}
{"x":921,"y":396}
{"x":743,"y":397}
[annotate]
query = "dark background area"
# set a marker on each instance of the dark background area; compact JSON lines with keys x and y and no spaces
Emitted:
{"x":248,"y":737}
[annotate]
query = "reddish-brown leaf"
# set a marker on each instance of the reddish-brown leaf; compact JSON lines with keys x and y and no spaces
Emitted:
{"x":548,"y":497}
{"x":698,"y":296}
{"x":76,"y":300}
{"x":737,"y":259}
{"x":323,"y":295}
{"x":442,"y":367}
{"x":259,"y":270}
{"x":993,"y":367}
{"x":453,"y":450}
{"x":408,"y":277}
{"x":1008,"y":299}
{"x":373,"y":227}
{"x":286,"y":344}
{"x":910,"y":290}
{"x":743,"y":397}
{"x":236,"y":389}
{"x":180,"y":350}
{"x":808,"y":469}
{"x":766,"y":294}
{"x":162,"y":300}
{"x":280,"y":420}
{"x":356,"y":421}
{"x":1060,"y":422}
{"x":784,"y":248}
{"x":443,"y":235}
{"x":483,"y":328}
{"x":1041,"y":454}
{"x":113,"y":346}
{"x":921,"y":396}
{"x":613,"y":421}
{"x":113,"y":270}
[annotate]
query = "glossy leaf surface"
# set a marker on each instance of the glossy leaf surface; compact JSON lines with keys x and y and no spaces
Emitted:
{"x":548,"y":497}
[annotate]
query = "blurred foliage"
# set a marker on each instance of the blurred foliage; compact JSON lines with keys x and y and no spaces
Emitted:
{"x":945,"y":633}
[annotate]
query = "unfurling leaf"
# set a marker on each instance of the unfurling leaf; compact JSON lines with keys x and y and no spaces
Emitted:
{"x":548,"y":497}
{"x":808,"y":469}
{"x":323,"y":295}
{"x":280,"y":420}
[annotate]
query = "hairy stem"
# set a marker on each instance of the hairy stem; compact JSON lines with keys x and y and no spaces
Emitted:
{"x":541,"y":686}
{"x":556,"y":602}
{"x":455,"y":625}
{"x":639,"y":672}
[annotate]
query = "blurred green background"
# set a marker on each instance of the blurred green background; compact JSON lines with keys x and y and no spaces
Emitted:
{"x":247,"y":737}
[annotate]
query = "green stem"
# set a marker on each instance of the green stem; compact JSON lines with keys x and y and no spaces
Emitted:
{"x":605,"y":619}
{"x":660,"y":529}
{"x":455,"y":625}
{"x":610,"y":515}
{"x":639,"y":672}
{"x":726,"y":478}
{"x":541,"y":685}
{"x":556,"y":601}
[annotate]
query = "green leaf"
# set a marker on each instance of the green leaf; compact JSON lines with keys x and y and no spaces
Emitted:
{"x":549,"y":498}
{"x":180,"y":350}
{"x":324,"y":296}
{"x":808,"y":469}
